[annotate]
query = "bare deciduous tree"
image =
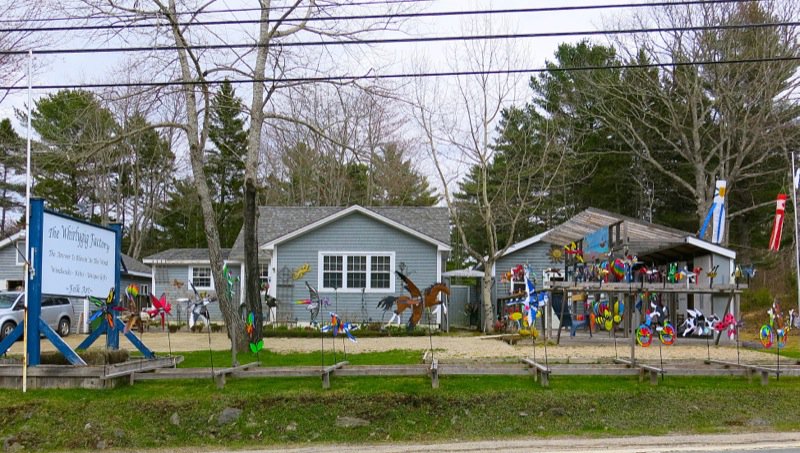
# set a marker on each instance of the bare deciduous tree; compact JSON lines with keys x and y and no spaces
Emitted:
{"x":265,"y":62}
{"x":698,"y":122}
{"x":461,"y":130}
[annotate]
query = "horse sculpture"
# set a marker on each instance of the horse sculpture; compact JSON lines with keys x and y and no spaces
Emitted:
{"x":418,"y":301}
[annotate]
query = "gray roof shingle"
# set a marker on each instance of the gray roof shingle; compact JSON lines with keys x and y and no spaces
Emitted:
{"x":277,"y":221}
{"x":133,"y":265}
{"x":182,"y":255}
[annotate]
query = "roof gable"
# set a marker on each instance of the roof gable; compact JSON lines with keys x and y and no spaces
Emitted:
{"x":280,"y":223}
{"x":649,"y":236}
{"x":13,"y":238}
{"x":351,"y":210}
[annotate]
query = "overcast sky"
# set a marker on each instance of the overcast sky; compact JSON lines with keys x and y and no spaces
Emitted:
{"x":83,"y":68}
{"x":386,"y":58}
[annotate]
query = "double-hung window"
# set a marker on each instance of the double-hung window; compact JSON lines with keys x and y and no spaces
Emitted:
{"x":201,"y":277}
{"x":263,"y":275}
{"x":354,"y":271}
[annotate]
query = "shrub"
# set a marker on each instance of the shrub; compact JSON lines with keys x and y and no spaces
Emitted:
{"x":90,"y":356}
{"x":756,"y":300}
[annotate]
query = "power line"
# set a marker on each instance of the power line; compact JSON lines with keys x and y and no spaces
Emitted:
{"x":368,"y":76}
{"x":366,"y":16}
{"x":403,"y":40}
{"x":227,"y":10}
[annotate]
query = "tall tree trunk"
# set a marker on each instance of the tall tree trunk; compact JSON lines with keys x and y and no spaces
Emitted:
{"x":251,"y":267}
{"x":486,"y":297}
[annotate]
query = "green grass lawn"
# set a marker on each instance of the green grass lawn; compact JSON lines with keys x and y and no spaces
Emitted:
{"x":270,"y":359}
{"x":281,"y":411}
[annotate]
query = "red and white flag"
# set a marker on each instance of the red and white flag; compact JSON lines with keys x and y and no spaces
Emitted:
{"x":777,"y":227}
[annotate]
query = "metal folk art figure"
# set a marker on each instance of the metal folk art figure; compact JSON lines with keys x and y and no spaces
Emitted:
{"x":199,"y":309}
{"x":337,"y":326}
{"x":418,"y":301}
{"x":313,"y":303}
{"x":775,"y":332}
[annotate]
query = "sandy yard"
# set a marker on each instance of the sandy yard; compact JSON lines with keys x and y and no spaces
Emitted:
{"x":580,"y":349}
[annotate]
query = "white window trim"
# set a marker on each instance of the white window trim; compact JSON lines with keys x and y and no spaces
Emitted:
{"x":191,"y":275}
{"x":344,"y":256}
{"x":19,"y":246}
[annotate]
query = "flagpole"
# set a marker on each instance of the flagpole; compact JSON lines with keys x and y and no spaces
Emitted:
{"x":796,"y":240}
{"x":27,"y":232}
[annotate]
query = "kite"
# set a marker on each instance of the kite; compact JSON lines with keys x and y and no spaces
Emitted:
{"x":777,"y":226}
{"x":716,"y":213}
{"x":160,"y":307}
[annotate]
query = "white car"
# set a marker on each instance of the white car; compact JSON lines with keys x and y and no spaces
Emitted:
{"x":57,"y":312}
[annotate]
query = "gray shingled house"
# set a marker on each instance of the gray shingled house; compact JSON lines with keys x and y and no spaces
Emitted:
{"x":349,"y":254}
{"x":174,"y":269}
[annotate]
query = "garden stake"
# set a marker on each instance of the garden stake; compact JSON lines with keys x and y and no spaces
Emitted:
{"x":210,"y":352}
{"x":430,"y":334}
{"x":169,"y":341}
{"x":661,"y":357}
{"x":322,"y":346}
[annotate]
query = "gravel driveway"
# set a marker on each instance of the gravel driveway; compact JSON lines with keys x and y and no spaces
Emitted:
{"x":580,"y":349}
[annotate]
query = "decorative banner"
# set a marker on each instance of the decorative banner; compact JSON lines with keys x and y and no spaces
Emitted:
{"x":777,"y":226}
{"x":717,"y":214}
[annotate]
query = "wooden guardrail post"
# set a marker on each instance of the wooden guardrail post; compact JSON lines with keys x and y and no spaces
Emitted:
{"x":435,"y":373}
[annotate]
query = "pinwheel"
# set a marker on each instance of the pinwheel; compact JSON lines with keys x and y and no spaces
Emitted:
{"x":230,"y":281}
{"x":105,"y":308}
{"x":644,"y":336}
{"x":160,"y":307}
{"x":607,"y":314}
{"x":666,"y":333}
{"x":766,"y":336}
{"x":728,"y":322}
{"x":337,"y":325}
{"x":250,"y":329}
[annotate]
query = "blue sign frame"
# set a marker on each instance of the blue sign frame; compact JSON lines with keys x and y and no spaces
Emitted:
{"x":36,"y":326}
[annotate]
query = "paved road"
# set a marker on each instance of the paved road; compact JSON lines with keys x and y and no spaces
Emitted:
{"x":729,"y":443}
